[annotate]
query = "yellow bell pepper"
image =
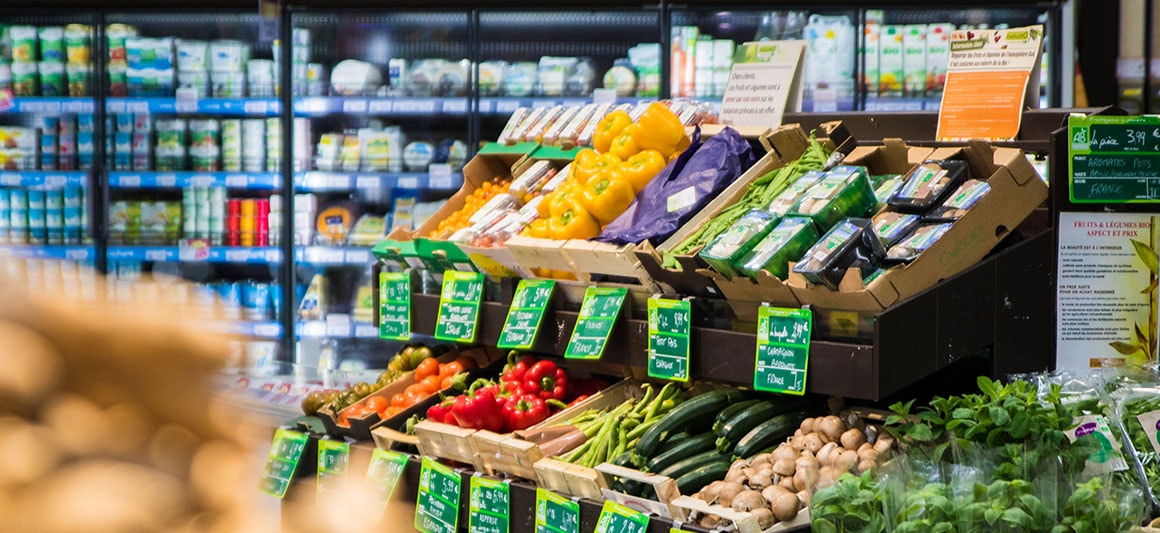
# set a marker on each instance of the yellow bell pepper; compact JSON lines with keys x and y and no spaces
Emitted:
{"x":583,"y":173}
{"x":573,"y":222}
{"x":538,"y":228}
{"x":607,"y":196}
{"x":579,"y":169}
{"x":659,"y":129}
{"x":641,"y":168}
{"x":608,"y":128}
{"x":624,"y":145}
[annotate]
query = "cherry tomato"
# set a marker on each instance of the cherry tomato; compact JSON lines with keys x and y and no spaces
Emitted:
{"x":430,"y":384}
{"x":450,"y":369}
{"x":376,"y":403}
{"x":429,"y":367}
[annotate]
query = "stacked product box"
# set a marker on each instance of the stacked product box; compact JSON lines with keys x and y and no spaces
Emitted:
{"x":42,"y":215}
{"x":50,"y":61}
{"x":906,"y":60}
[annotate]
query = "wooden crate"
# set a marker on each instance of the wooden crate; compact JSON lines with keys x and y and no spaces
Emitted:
{"x":743,"y":522}
{"x":390,"y":439}
{"x":445,"y":441}
{"x":664,"y":487}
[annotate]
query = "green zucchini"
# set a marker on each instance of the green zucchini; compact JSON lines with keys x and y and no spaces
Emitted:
{"x":731,"y":411}
{"x":703,"y":406}
{"x":689,"y":447}
{"x":673,"y":441}
{"x":698,"y":479}
{"x":742,"y":423}
{"x":769,"y":433}
{"x":694,"y":462}
{"x":624,"y":459}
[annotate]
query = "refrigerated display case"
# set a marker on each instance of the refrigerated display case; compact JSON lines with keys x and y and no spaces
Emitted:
{"x":381,"y":130}
{"x":46,"y":141}
{"x":193,"y":165}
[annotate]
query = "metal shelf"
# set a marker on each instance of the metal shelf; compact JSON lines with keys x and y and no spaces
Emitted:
{"x":323,"y":181}
{"x":50,"y":105}
{"x":43,"y":178}
{"x":333,"y":255}
{"x":261,"y":329}
{"x":255,"y":181}
{"x":217,"y":254}
{"x":346,"y":330}
{"x":318,"y":106}
{"x":226,"y":107}
{"x":52,"y":251}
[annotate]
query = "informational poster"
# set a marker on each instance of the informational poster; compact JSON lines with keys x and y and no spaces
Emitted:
{"x":987,"y":79}
{"x":765,"y":81}
{"x":1107,"y":278}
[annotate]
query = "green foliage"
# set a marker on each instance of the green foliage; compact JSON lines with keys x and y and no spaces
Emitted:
{"x":852,"y":505}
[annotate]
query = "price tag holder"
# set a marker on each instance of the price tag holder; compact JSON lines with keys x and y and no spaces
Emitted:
{"x":1114,"y":159}
{"x":395,"y":306}
{"x":282,"y":461}
{"x":526,"y":313}
{"x":668,"y":338}
{"x":555,"y":513}
{"x":459,"y":306}
{"x":437,"y":510}
{"x":490,"y":505}
{"x":616,"y":518}
{"x":383,"y":475}
{"x":333,"y":466}
{"x":783,"y":350}
{"x":598,"y":314}
{"x":189,"y":250}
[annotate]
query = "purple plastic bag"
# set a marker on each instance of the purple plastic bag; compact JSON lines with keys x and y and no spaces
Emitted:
{"x":682,"y":189}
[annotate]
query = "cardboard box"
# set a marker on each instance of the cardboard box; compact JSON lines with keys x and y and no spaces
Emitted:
{"x":1016,"y":191}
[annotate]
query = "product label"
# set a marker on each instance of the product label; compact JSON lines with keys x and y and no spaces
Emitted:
{"x":526,"y":314}
{"x":668,"y":339}
{"x":967,"y":195}
{"x":459,"y":306}
{"x":616,"y":518}
{"x":1114,"y":159}
{"x":783,"y":349}
{"x":555,"y":513}
{"x":490,"y":505}
{"x":682,"y":199}
{"x":282,"y":461}
{"x":1110,"y":457}
{"x":598,"y":314}
{"x":395,"y":306}
{"x":437,"y":510}
{"x":986,"y":82}
{"x":383,"y":475}
{"x":333,"y":466}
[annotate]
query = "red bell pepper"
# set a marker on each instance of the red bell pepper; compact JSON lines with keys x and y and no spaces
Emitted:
{"x":523,"y":411}
{"x":546,"y":380}
{"x":514,"y":371}
{"x":478,"y":409}
{"x":440,"y":412}
{"x":577,"y":400}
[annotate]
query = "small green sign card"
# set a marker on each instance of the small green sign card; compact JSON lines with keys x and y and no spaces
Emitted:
{"x":282,"y":461}
{"x":395,"y":306}
{"x":598,"y":314}
{"x":383,"y":475}
{"x":783,"y":349}
{"x":668,"y":339}
{"x":437,"y":509}
{"x":490,"y":505}
{"x":459,"y":306}
{"x":1114,"y":159}
{"x":555,"y":513}
{"x":333,"y":464}
{"x":526,"y":313}
{"x":616,"y":518}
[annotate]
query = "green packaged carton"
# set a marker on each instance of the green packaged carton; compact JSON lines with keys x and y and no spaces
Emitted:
{"x":729,"y":247}
{"x":794,"y":192}
{"x":786,"y":242}
{"x":844,"y":193}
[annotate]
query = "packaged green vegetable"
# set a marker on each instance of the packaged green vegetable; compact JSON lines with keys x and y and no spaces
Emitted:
{"x":850,"y":244}
{"x":1139,"y":411}
{"x":792,"y":194}
{"x":918,"y":241}
{"x":959,"y":202}
{"x":729,"y":247}
{"x":786,"y":242}
{"x":844,"y":193}
{"x":891,"y":226}
{"x":886,"y":188}
{"x":927,"y":185}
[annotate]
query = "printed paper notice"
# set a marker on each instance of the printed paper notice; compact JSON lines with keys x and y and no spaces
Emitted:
{"x":1106,"y":290}
{"x":987,"y":77}
{"x":764,"y":81}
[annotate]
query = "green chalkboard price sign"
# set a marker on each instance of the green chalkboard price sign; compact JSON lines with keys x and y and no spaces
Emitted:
{"x":395,"y":306}
{"x":783,"y":349}
{"x":490,"y":505}
{"x":383,"y":473}
{"x":333,"y":464}
{"x":1114,"y":159}
{"x":437,"y":509}
{"x":616,"y":518}
{"x":598,"y":314}
{"x":668,"y":339}
{"x":285,"y":454}
{"x":459,"y":301}
{"x":526,"y":313}
{"x":555,"y":513}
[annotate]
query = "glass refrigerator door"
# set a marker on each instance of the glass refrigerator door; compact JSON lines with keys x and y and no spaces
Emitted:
{"x":381,"y":132}
{"x":704,"y":40}
{"x":46,"y":146}
{"x":545,"y":58}
{"x":906,"y":50}
{"x":193,"y":154}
